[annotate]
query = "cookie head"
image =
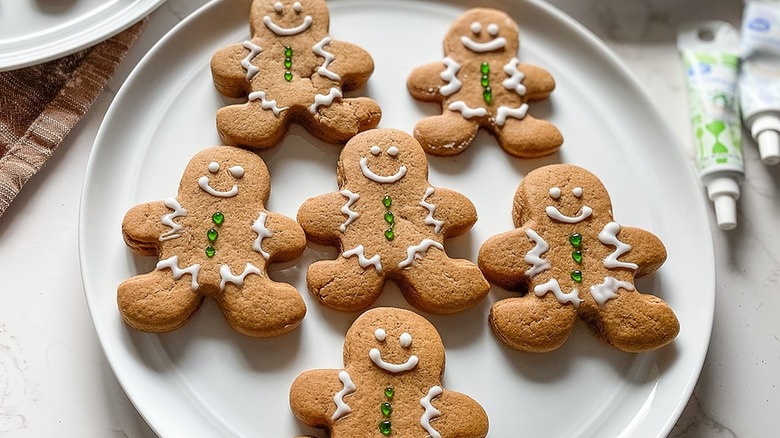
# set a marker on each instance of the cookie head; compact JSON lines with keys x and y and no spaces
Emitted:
{"x":482,"y":31}
{"x":394,"y":342}
{"x":287,"y":18}
{"x":564,"y":193}
{"x":226,"y":173}
{"x":383,"y":157}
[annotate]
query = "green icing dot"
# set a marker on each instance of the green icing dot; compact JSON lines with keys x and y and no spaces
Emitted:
{"x":287,"y":76}
{"x":389,"y":393}
{"x":387,"y":201}
{"x":577,"y":256}
{"x":218,"y":218}
{"x":385,"y":427}
{"x":386,"y":409}
{"x":287,"y":63}
{"x":576,"y":240}
{"x":389,"y":218}
{"x":485,"y":81}
{"x":484,"y":68}
{"x":389,"y":234}
{"x":212,"y":235}
{"x":210,"y":251}
{"x":576,"y":276}
{"x":288,"y":51}
{"x":487,"y":95}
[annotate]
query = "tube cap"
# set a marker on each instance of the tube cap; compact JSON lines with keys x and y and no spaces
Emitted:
{"x":766,"y":132}
{"x":724,"y":192}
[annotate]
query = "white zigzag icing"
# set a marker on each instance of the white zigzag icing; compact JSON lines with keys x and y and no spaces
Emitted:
{"x":167,"y":220}
{"x":346,"y":209}
{"x":608,"y":236}
{"x":415,"y":250}
{"x":227,"y":276}
{"x":563,"y":298}
{"x":429,"y":219}
{"x":362,"y":260}
{"x":172,"y":263}
{"x":515,"y":79}
{"x":254,"y":50}
{"x":265,"y":103}
{"x":325,"y":99}
{"x":534,"y":256}
{"x":430,"y":411}
{"x":607,"y":290}
{"x":342,"y":408}
{"x":450,"y":75}
{"x":319,"y":49}
{"x":262,"y":232}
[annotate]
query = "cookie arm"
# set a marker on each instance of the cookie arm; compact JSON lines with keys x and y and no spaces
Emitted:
{"x":142,"y":227}
{"x":312,"y":396}
{"x":647,"y":250}
{"x":227,"y":72}
{"x":321,"y":216}
{"x":455,"y":210}
{"x":287,"y":240}
{"x":425,"y":81}
{"x":538,"y":82}
{"x":353,"y":64}
{"x":460,"y":416}
{"x":501,"y":259}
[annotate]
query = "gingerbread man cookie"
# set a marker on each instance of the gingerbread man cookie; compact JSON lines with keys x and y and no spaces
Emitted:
{"x":390,"y":223}
{"x":292,"y":71}
{"x":482,"y":83}
{"x":574,"y":260}
{"x":390,"y":384}
{"x":215,"y":238}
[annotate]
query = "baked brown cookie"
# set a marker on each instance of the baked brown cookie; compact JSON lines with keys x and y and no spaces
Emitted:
{"x":482,"y":83}
{"x":389,"y":223}
{"x":215,"y":238}
{"x":291,"y":71}
{"x":573,"y":259}
{"x":390,"y":384}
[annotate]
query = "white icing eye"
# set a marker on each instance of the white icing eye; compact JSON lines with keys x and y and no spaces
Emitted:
{"x":476,"y":27}
{"x":375,"y":150}
{"x":236,"y":171}
{"x":297,"y":7}
{"x":213,"y":167}
{"x":392,"y":151}
{"x":555,"y":192}
{"x":278,"y":7}
{"x":405,"y":340}
{"x":492,"y":29}
{"x":577,"y":191}
{"x":380,"y":335}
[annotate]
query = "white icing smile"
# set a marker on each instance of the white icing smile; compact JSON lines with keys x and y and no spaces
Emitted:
{"x":381,"y":178}
{"x":205,"y":185}
{"x":583,"y":214}
{"x":287,"y":31}
{"x":489,"y":46}
{"x":405,"y":340}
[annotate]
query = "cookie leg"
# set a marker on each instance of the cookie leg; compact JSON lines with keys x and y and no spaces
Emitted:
{"x":528,"y":137}
{"x":436,"y":283}
{"x":447,"y":134}
{"x":531,"y":323}
{"x":156,"y":303}
{"x":250,"y":125}
{"x":261,"y":307}
{"x":343,"y":285}
{"x":633,"y":321}
{"x":344,"y":118}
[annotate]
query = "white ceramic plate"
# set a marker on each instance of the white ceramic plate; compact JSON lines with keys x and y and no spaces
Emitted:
{"x":205,"y":380}
{"x":35,"y":31}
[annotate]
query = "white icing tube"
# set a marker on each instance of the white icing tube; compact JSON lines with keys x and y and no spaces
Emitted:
{"x":710,"y":55}
{"x":759,"y":83}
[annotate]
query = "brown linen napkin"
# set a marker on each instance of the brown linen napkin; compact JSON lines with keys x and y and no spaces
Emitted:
{"x":40,"y":104}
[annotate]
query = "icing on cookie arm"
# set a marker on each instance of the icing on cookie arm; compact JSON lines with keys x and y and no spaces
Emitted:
{"x":227,"y":71}
{"x":537,"y":81}
{"x":143,"y":225}
{"x":312,"y":396}
{"x":321,"y":217}
{"x":501,"y":258}
{"x":451,"y":421}
{"x":352,"y":64}
{"x":455,"y":211}
{"x":425,"y":81}
{"x":284,"y":239}
{"x":647,"y":250}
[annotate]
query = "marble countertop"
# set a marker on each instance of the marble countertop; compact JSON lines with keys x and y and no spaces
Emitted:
{"x":55,"y":380}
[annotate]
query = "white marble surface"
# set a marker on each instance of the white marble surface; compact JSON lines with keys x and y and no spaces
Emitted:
{"x":55,"y":381}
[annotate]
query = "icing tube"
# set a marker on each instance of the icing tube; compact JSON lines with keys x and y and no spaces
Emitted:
{"x":759,"y":84}
{"x":710,"y":55}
